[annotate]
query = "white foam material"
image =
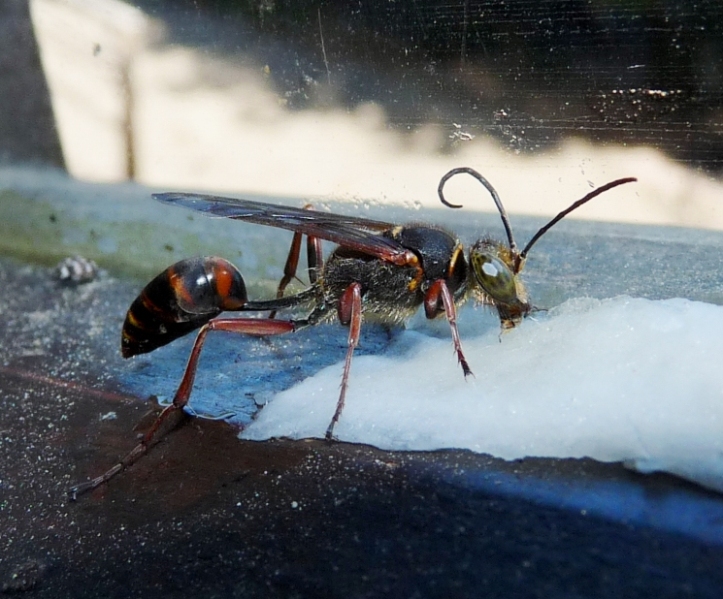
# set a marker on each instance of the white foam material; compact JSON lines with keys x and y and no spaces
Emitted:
{"x":622,"y":379}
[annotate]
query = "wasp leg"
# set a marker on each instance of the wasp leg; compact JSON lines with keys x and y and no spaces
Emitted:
{"x":246,"y":326}
{"x":438,"y":291}
{"x":128,"y":460}
{"x":292,"y":263}
{"x":350,"y":313}
{"x":314,"y":258}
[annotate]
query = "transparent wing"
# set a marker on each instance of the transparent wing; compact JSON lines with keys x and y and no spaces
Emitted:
{"x":349,"y":231}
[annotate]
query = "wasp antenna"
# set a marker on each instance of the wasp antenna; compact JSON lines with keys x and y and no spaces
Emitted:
{"x":488,"y":187}
{"x":593,"y":194}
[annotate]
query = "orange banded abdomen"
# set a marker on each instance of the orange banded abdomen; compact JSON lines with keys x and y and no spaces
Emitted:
{"x":179,"y":300}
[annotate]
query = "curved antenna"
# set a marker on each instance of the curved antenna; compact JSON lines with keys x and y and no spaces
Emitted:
{"x":488,"y":187}
{"x":575,"y":206}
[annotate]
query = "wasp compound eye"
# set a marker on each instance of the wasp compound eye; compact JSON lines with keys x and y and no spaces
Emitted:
{"x":493,"y":275}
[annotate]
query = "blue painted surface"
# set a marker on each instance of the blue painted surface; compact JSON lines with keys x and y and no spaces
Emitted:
{"x":683,"y":510}
{"x":237,"y":374}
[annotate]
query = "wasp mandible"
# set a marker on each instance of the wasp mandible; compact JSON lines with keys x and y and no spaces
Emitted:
{"x":377,"y":268}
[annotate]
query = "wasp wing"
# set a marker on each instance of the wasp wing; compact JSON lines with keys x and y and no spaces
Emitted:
{"x":349,"y":231}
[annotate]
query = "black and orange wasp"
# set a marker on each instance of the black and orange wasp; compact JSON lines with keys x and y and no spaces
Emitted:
{"x":377,"y":268}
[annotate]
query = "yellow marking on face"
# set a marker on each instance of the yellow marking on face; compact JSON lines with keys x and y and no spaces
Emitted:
{"x":459,"y":250}
{"x":417,"y":279}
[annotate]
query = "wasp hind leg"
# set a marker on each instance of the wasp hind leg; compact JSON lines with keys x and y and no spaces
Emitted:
{"x":246,"y":326}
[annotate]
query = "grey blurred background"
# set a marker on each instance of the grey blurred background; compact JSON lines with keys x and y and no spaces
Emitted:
{"x":374,"y":101}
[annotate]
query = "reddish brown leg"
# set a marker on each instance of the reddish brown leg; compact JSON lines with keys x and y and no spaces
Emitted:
{"x":246,"y":326}
{"x":292,"y":263}
{"x":314,"y":258}
{"x":250,"y":326}
{"x":314,"y":261}
{"x":350,"y":313}
{"x":437,"y":292}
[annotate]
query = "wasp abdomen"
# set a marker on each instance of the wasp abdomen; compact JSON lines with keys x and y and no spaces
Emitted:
{"x":182,"y":298}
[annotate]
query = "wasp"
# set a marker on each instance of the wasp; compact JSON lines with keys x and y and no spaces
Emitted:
{"x":378,"y":268}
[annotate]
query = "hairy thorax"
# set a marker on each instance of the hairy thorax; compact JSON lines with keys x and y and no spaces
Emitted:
{"x":390,"y":293}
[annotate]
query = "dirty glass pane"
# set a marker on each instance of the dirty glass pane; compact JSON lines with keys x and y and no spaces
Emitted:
{"x":583,"y":458}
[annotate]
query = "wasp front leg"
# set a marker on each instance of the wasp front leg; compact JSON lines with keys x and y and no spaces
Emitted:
{"x":438,"y":298}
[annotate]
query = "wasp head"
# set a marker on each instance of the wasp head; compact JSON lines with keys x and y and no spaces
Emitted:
{"x":495,"y":266}
{"x":495,"y":269}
